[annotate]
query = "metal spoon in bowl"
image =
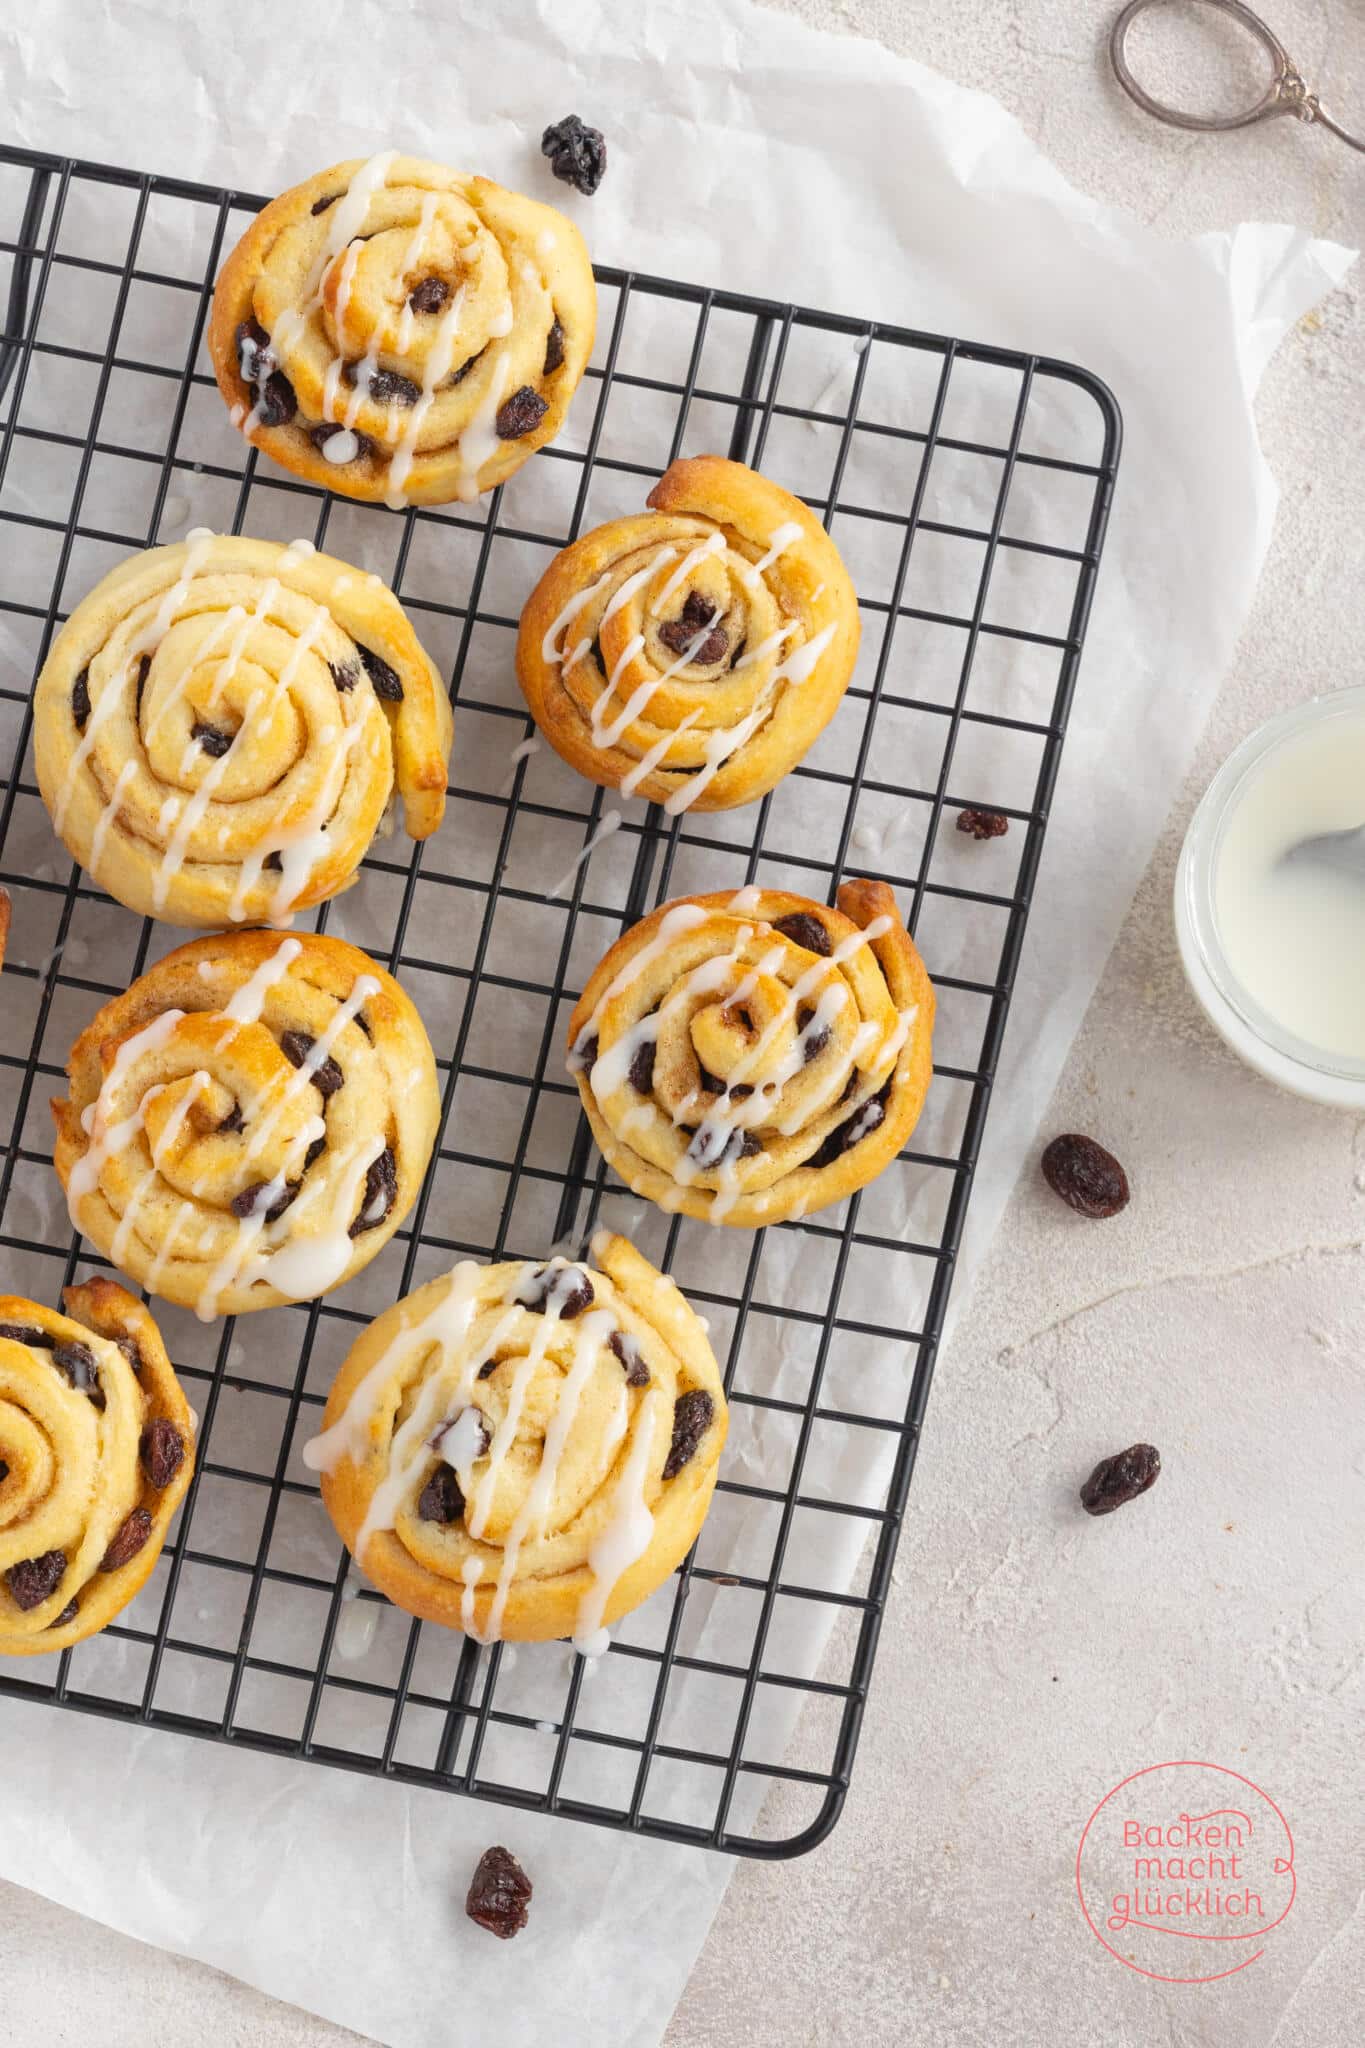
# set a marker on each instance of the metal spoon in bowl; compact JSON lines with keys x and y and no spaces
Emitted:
{"x":1344,"y":851}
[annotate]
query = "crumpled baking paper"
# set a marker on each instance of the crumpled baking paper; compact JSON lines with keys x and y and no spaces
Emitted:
{"x":751,"y":153}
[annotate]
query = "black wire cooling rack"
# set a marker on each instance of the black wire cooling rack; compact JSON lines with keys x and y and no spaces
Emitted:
{"x":968,"y":487}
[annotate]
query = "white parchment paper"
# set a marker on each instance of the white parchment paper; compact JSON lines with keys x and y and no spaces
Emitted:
{"x":748,"y":152}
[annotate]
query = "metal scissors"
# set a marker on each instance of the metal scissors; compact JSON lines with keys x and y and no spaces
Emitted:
{"x":1287,"y":92}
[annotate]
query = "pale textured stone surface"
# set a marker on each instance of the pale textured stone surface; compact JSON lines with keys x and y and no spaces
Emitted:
{"x":1031,"y":1658}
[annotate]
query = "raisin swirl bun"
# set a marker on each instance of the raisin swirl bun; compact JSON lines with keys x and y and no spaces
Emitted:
{"x":747,"y":1057}
{"x":399,"y":332}
{"x":694,"y":653}
{"x":526,"y":1450}
{"x":220,"y":725}
{"x":96,"y":1450}
{"x":250,"y":1123}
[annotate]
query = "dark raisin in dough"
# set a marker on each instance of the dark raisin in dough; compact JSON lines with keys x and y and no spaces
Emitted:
{"x":520,"y":414}
{"x":859,"y":1126}
{"x":554,"y":348}
{"x":212,"y":739}
{"x":467,"y":366}
{"x":384,"y":679}
{"x":813,"y":1042}
{"x":28,"y":1333}
{"x":247,"y":1203}
{"x":272,"y":860}
{"x":161,"y":1449}
{"x":143,"y":671}
{"x":441,"y":1499}
{"x":314,"y":1152}
{"x":623,"y":1346}
{"x":429,"y":296}
{"x":678,"y":634}
{"x":35,"y":1579}
{"x":130,"y":1352}
{"x":321,"y":205}
{"x":326,"y":1078}
{"x":710,"y":1147}
{"x":321,"y":435}
{"x":570,"y":1285}
{"x":583,"y":1057}
{"x":345,"y":674}
{"x":80,"y":699}
{"x":68,"y":1613}
{"x":76,"y":1364}
{"x":385,"y":387}
{"x":381,"y":1192}
{"x":692,"y":1415}
{"x":641,"y":1074}
{"x":256,"y":359}
{"x":577,"y":153}
{"x":4,"y":1471}
{"x":442,"y":1431}
{"x":128,"y":1540}
{"x":805,"y":929}
{"x":276,"y":404}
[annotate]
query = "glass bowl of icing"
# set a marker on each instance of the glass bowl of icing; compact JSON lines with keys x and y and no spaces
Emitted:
{"x":1273,"y":946}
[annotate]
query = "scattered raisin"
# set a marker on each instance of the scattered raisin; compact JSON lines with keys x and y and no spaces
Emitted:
{"x":692,"y":1415}
{"x":499,"y":1894}
{"x":443,"y":1429}
{"x":384,"y":679}
{"x":716,"y":1146}
{"x":130,"y":1352}
{"x":641,"y":1075}
{"x":233,"y":1121}
{"x":363,"y":1021}
{"x":812,"y":1042}
{"x":385,"y":387}
{"x":30,"y":1334}
{"x":441,"y":1499}
{"x":162,"y":1451}
{"x":1117,"y":1480}
{"x":568,"y":1286}
{"x":321,"y":205}
{"x":1088,"y":1179}
{"x":577,"y":153}
{"x":4,"y":1471}
{"x":35,"y":1579}
{"x":488,"y":1368}
{"x":429,"y":296}
{"x":76,"y":1363}
{"x":804,"y":929}
{"x":314,"y":1152}
{"x":326,"y":1078}
{"x":128,"y":1540}
{"x":144,"y":669}
{"x":709,"y":1083}
{"x":520,"y":414}
{"x":345,"y":674}
{"x":381,"y":1192}
{"x":983,"y":824}
{"x":320,"y":436}
{"x":68,"y":1614}
{"x":80,"y":699}
{"x":212,"y":739}
{"x":691,"y":624}
{"x":554,"y":348}
{"x":273,"y":862}
{"x":623,"y":1346}
{"x":467,"y":365}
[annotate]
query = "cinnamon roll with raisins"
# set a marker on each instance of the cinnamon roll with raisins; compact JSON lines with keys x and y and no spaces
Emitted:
{"x":526,"y":1450}
{"x":694,"y":653}
{"x":220,"y":726}
{"x":250,"y":1123}
{"x":401,"y":332}
{"x":96,"y":1451}
{"x":750,"y":1056}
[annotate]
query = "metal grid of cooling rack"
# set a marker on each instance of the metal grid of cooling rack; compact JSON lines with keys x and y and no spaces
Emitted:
{"x":951,"y":682}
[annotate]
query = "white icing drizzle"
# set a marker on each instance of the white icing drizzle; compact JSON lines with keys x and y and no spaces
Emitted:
{"x":106,"y":817}
{"x":606,"y":735}
{"x":345,"y":218}
{"x":626,"y":1537}
{"x":779,"y":541}
{"x":480,"y":441}
{"x":796,"y":668}
{"x":769,"y":646}
{"x":439,"y":362}
{"x":681,"y":918}
{"x":714,"y":544}
{"x":550,"y":648}
{"x":745,"y":901}
{"x":611,"y":822}
{"x":652,"y":756}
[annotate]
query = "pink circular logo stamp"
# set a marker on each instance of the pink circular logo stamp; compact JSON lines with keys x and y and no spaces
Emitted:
{"x":1184,"y":1870}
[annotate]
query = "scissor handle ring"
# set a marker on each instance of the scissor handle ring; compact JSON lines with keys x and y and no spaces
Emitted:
{"x":1275,"y":99}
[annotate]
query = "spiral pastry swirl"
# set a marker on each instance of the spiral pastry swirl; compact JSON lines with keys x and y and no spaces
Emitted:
{"x":749,"y":1056}
{"x":694,"y":653}
{"x":250,"y":1122}
{"x":526,"y":1450}
{"x":220,"y":726}
{"x":402,"y":333}
{"x":96,"y":1451}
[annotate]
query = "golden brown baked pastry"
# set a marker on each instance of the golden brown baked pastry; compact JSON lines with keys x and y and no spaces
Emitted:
{"x":750,"y":1056}
{"x":694,"y":653}
{"x":525,"y":1451}
{"x":250,"y":1123}
{"x":400,"y":332}
{"x":220,"y":725}
{"x":96,"y":1450}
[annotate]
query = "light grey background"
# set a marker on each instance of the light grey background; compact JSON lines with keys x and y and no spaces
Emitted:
{"x":1032,"y":1658}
